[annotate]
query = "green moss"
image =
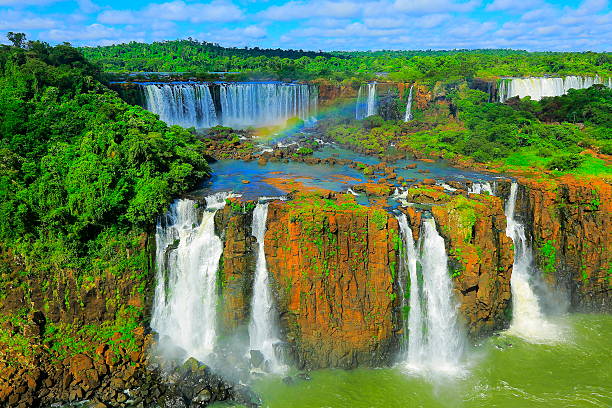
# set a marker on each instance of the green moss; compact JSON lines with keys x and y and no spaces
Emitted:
{"x":548,"y":253}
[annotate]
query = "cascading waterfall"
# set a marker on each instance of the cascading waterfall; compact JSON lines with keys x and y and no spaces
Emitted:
{"x":262,"y":104}
{"x":537,"y":87}
{"x":366,"y":104}
{"x":528,"y":320}
{"x":408,"y":116}
{"x":185,"y":105}
{"x":436,"y":341}
{"x":239,"y":104}
{"x":481,"y":188}
{"x":412,"y":312}
{"x":263,"y":331}
{"x":187,"y":258}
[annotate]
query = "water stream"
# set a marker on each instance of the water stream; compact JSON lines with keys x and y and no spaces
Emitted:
{"x":188,"y":253}
{"x":263,"y":329}
{"x":436,"y":341}
{"x":528,"y":320}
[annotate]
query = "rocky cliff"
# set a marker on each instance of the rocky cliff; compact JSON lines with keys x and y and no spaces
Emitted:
{"x":570,"y":220}
{"x":333,"y":265}
{"x":480,"y":254}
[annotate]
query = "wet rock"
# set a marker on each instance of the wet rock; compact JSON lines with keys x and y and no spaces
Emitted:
{"x":257,"y":359}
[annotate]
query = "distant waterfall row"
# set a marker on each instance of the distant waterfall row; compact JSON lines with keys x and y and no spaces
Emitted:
{"x":537,"y":88}
{"x":186,"y":298}
{"x":238,"y":105}
{"x":434,"y":339}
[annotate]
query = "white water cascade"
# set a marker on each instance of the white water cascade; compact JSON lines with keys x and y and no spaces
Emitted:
{"x":528,"y":321}
{"x":264,"y":104}
{"x":187,"y":258}
{"x":263,"y":330}
{"x":539,"y":87}
{"x":238,"y":104}
{"x":436,"y":341}
{"x":185,"y":105}
{"x":366,"y":104}
{"x":481,"y":188}
{"x":412,"y":312}
{"x":408,"y":116}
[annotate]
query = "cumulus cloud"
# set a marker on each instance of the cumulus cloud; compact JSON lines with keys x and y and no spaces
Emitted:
{"x":295,"y":10}
{"x":435,"y":6}
{"x":513,"y":5}
{"x":12,"y":20}
{"x":216,"y":11}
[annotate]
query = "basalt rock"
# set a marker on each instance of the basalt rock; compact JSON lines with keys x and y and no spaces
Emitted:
{"x":237,"y":264}
{"x":570,"y":220}
{"x":480,"y":257}
{"x":332,"y":266}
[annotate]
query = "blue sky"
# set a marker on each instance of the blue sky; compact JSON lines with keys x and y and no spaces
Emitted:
{"x":320,"y":24}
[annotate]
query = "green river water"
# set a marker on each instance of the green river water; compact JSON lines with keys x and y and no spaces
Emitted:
{"x":574,"y":372}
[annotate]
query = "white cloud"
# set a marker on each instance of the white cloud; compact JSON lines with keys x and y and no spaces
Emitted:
{"x":12,"y":20}
{"x":118,"y":17}
{"x":295,"y":10}
{"x":216,"y":11}
{"x":90,"y":32}
{"x":435,"y":6}
{"x":88,"y":6}
{"x":513,"y":5}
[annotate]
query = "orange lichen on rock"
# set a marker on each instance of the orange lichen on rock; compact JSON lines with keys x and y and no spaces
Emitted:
{"x":572,"y":234}
{"x":332,"y":263}
{"x":481,"y":257}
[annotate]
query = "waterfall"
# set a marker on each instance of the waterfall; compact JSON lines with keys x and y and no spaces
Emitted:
{"x":187,"y":258}
{"x":539,"y":87}
{"x":239,"y":104}
{"x":409,"y":289}
{"x":263,"y":332}
{"x":528,"y":320}
{"x":263,"y":104}
{"x":480,"y":188}
{"x":366,"y":105}
{"x":408,"y":116}
{"x":187,"y":105}
{"x":436,"y":341}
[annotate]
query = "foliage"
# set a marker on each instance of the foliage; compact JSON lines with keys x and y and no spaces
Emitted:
{"x":425,"y":66}
{"x":517,"y":133}
{"x":82,"y":169}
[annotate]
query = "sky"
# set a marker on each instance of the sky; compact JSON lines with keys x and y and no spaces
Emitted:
{"x":535,"y":25}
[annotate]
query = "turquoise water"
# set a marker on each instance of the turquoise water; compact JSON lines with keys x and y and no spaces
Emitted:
{"x":504,"y":372}
{"x":232,"y":174}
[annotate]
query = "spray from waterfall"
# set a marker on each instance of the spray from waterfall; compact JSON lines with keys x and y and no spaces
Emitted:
{"x":263,"y":329}
{"x":528,"y":321}
{"x":187,"y":258}
{"x":408,"y":116}
{"x":436,"y":341}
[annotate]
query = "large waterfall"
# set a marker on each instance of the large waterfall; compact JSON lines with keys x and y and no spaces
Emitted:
{"x":366,"y":101}
{"x":408,"y":115}
{"x":528,"y":320}
{"x":187,"y":257}
{"x":263,"y":331}
{"x":436,"y":341}
{"x":185,"y":105}
{"x":262,"y":104}
{"x":539,"y":87}
{"x":238,"y":104}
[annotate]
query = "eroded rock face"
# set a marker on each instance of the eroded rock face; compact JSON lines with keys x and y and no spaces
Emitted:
{"x":481,"y":258}
{"x":237,"y":265}
{"x":332,"y":263}
{"x":570,"y":220}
